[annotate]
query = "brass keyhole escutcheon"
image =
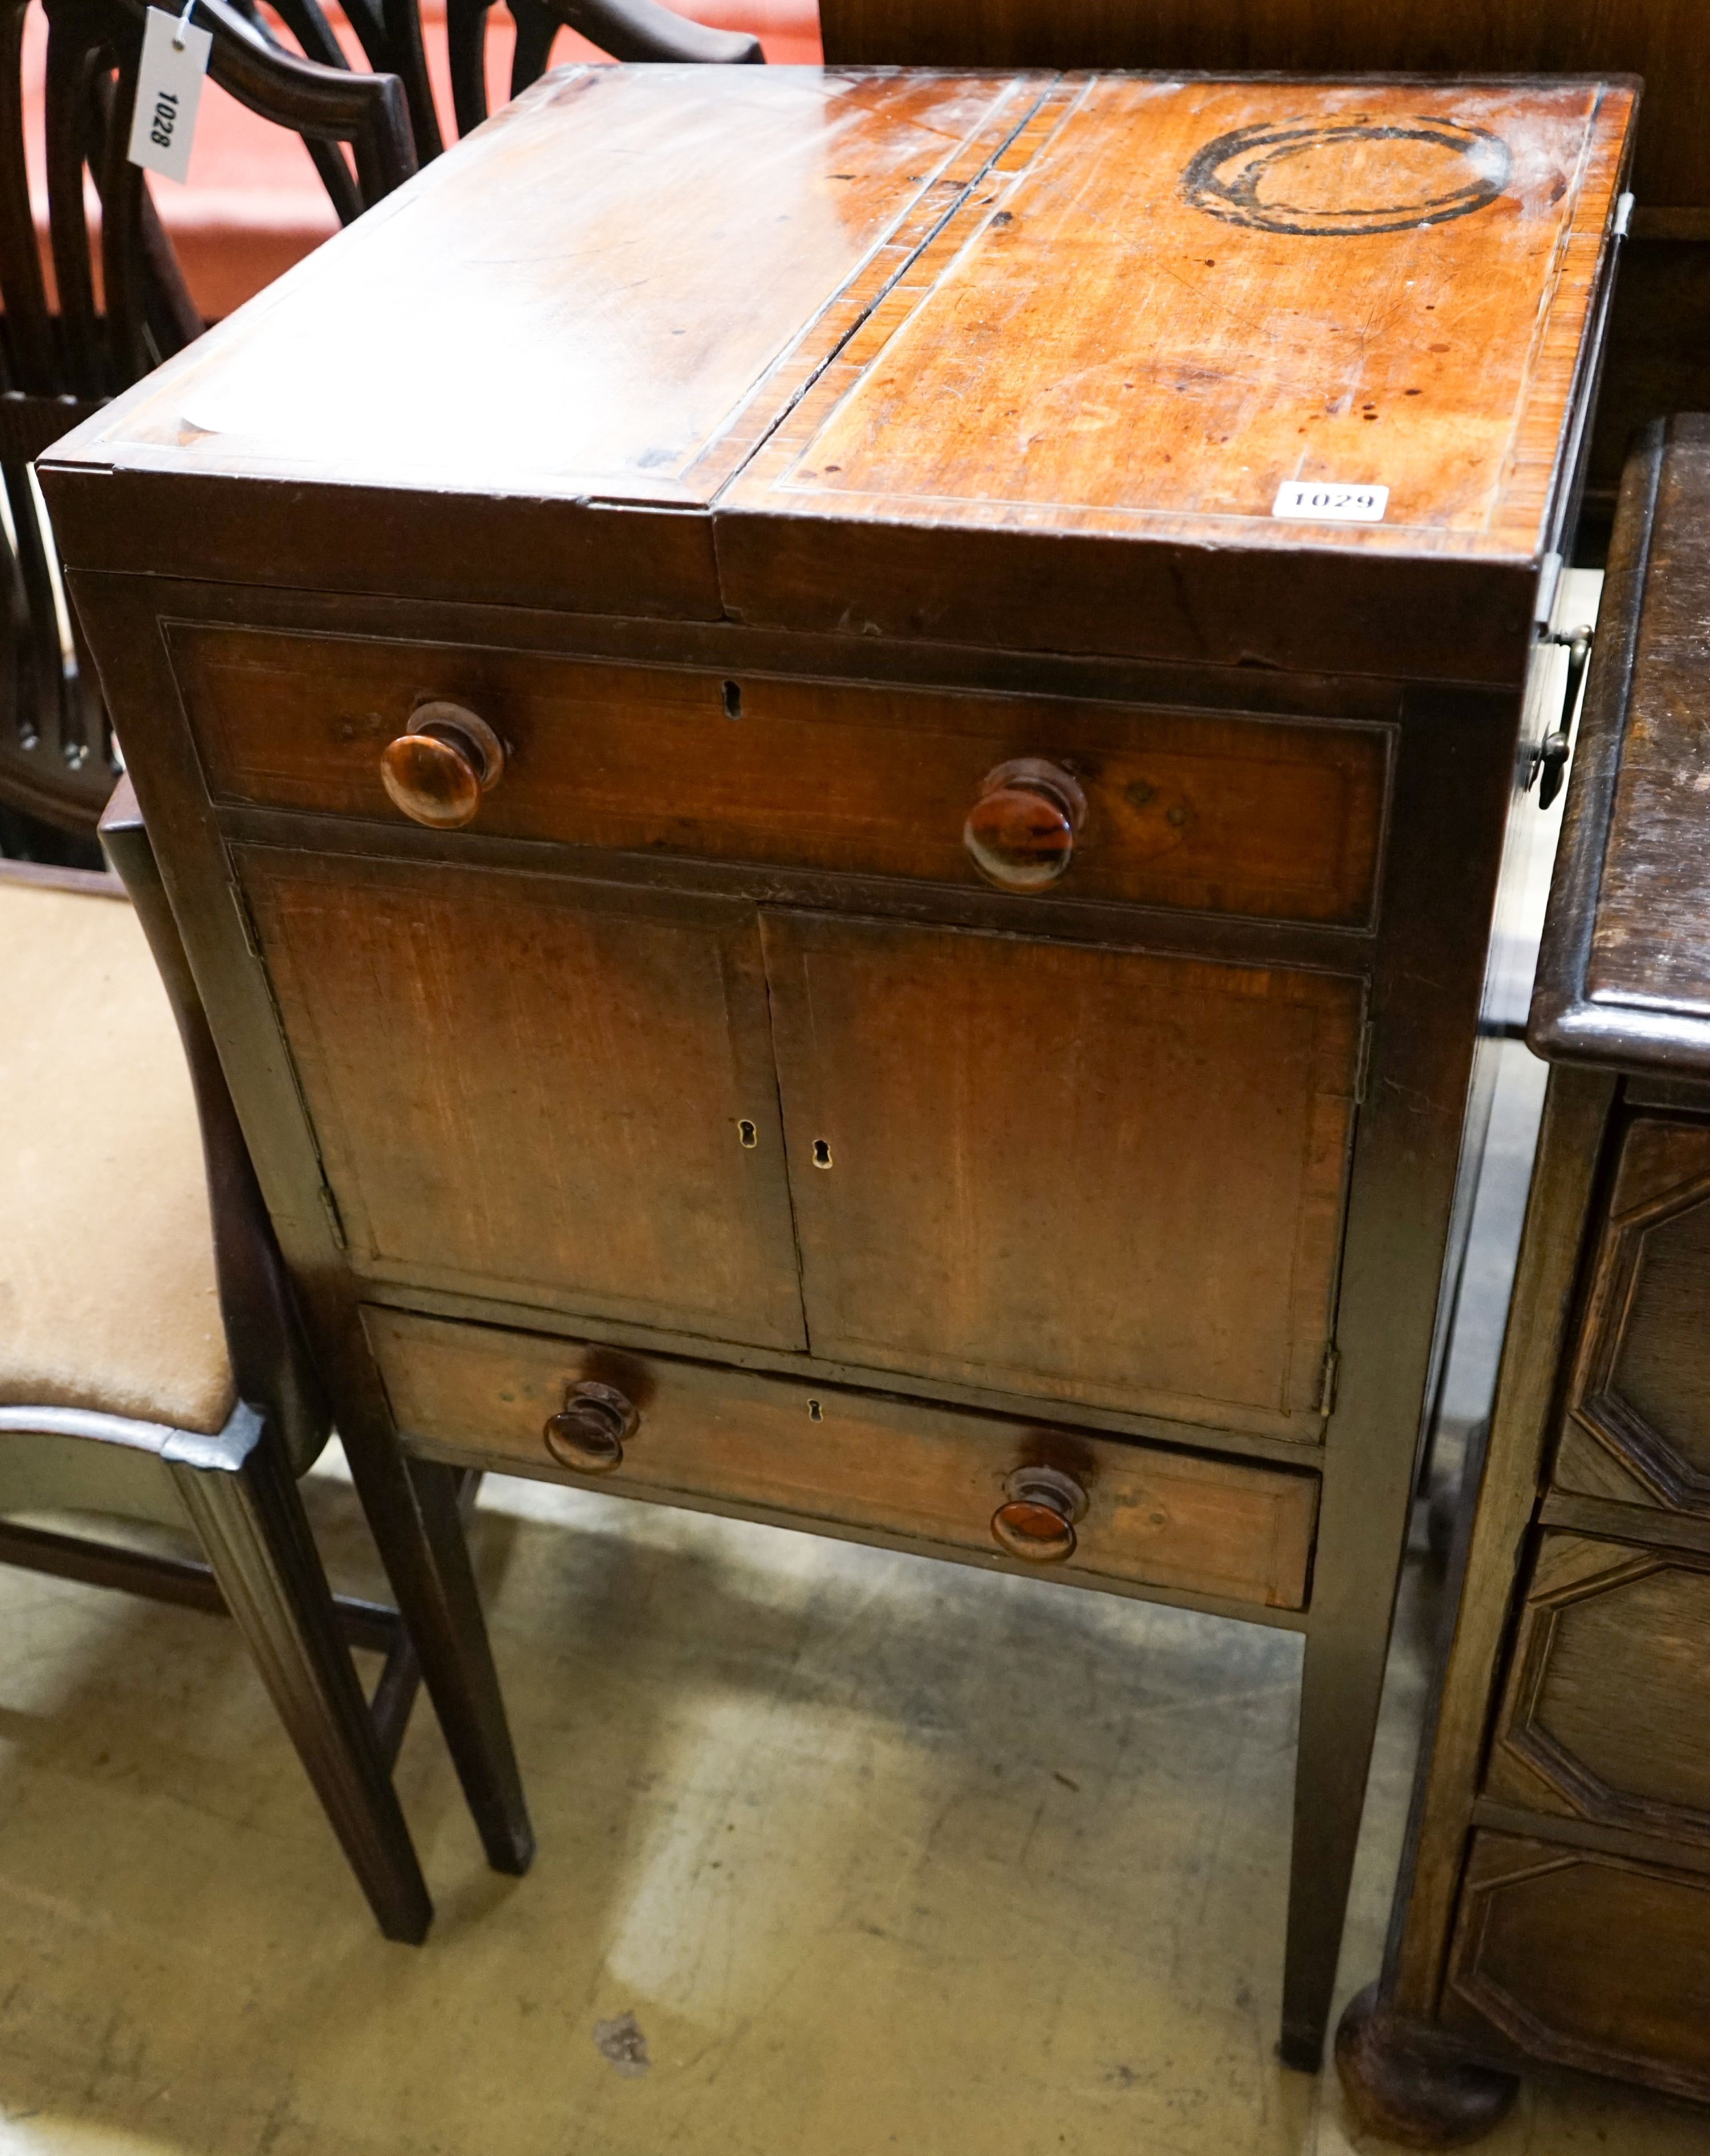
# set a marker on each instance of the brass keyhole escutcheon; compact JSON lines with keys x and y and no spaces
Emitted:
{"x":590,"y":1431}
{"x":747,"y":1134}
{"x":821,"y":1154}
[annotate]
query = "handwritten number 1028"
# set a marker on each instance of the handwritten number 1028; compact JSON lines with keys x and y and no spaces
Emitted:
{"x":166,"y":116}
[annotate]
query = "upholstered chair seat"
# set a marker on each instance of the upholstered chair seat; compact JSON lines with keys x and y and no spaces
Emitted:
{"x":108,"y":1297}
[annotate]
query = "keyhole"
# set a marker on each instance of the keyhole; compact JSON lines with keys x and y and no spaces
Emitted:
{"x":748,"y":1133}
{"x":815,"y":1411}
{"x":732,"y":700}
{"x":821,"y":1154}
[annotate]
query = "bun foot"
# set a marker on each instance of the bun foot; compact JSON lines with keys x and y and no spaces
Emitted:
{"x":1399,"y":2089}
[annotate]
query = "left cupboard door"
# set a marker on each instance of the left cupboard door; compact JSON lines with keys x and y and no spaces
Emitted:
{"x":538,"y":1091}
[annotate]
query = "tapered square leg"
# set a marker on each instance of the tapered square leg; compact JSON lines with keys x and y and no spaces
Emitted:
{"x":246,"y":1507}
{"x":412,"y":1508}
{"x":1342,"y":1685}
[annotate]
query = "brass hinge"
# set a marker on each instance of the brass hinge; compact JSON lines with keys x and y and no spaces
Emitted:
{"x":1327,"y":1387}
{"x":1362,"y":1068}
{"x":333,"y":1220}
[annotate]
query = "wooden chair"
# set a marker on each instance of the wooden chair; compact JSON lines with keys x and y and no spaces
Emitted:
{"x":150,"y":1367}
{"x":117,"y":307}
{"x":626,"y":30}
{"x":150,"y":1363}
{"x":122,"y":306}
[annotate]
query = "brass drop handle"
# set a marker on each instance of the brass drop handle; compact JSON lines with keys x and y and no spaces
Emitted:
{"x":1021,"y":834}
{"x":1037,"y":1520}
{"x":589,"y":1430}
{"x":438,"y":772}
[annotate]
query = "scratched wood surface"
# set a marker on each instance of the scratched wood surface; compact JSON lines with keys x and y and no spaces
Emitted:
{"x":1649,"y":947}
{"x":1667,"y":42}
{"x":584,"y":293}
{"x":1171,"y":297}
{"x":1153,"y":301}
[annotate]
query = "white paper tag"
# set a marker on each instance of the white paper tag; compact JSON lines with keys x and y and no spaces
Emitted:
{"x":168,"y":90}
{"x":1321,"y":501}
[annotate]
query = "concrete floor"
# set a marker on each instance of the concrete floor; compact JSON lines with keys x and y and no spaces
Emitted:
{"x":878,"y":1853}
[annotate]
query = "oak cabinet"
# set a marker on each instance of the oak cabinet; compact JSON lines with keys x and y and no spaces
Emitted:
{"x":1555,"y":1903}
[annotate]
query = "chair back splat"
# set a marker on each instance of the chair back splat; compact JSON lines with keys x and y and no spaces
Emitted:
{"x":107,"y":304}
{"x":625,"y":29}
{"x":106,"y":301}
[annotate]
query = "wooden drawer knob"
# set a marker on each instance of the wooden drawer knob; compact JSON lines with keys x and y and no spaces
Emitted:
{"x":438,"y":772}
{"x":588,"y":1431}
{"x":1037,"y":1520}
{"x":1020,"y":832}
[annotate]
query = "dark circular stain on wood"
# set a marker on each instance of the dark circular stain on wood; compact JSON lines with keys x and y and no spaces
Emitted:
{"x":1343,"y":178}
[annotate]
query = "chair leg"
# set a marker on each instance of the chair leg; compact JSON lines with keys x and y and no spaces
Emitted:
{"x":412,"y":1508}
{"x":245,"y":1506}
{"x":1342,"y":1683}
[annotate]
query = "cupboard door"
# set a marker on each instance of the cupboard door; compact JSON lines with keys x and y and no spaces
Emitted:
{"x":1090,"y":1175}
{"x":542,"y":1091}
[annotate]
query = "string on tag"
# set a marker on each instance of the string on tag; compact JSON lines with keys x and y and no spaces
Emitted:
{"x":184,"y":25}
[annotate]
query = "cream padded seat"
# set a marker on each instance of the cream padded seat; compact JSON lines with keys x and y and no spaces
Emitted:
{"x":107,"y":1295}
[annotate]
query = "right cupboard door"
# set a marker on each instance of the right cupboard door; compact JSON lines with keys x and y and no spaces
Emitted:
{"x":1084,"y":1174}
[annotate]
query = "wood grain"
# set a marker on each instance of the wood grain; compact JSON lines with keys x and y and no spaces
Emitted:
{"x":1586,"y":1961}
{"x":599,"y":250}
{"x":1239,"y":816}
{"x":913,"y":362}
{"x":1639,"y":1385}
{"x":820,"y":1456}
{"x":1540,"y":1335}
{"x":1607,"y":1714}
{"x":1091,"y":344}
{"x":538,"y":1090}
{"x":1650,"y":946}
{"x":1666,"y":41}
{"x":1090,"y":1175}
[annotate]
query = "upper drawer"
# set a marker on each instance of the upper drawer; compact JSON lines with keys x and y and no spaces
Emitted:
{"x":828,"y":1458}
{"x":1279,"y":820}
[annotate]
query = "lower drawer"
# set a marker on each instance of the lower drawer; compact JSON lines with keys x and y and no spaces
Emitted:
{"x":1098,"y":1510}
{"x":1585,"y":1960}
{"x":1606,"y":1715}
